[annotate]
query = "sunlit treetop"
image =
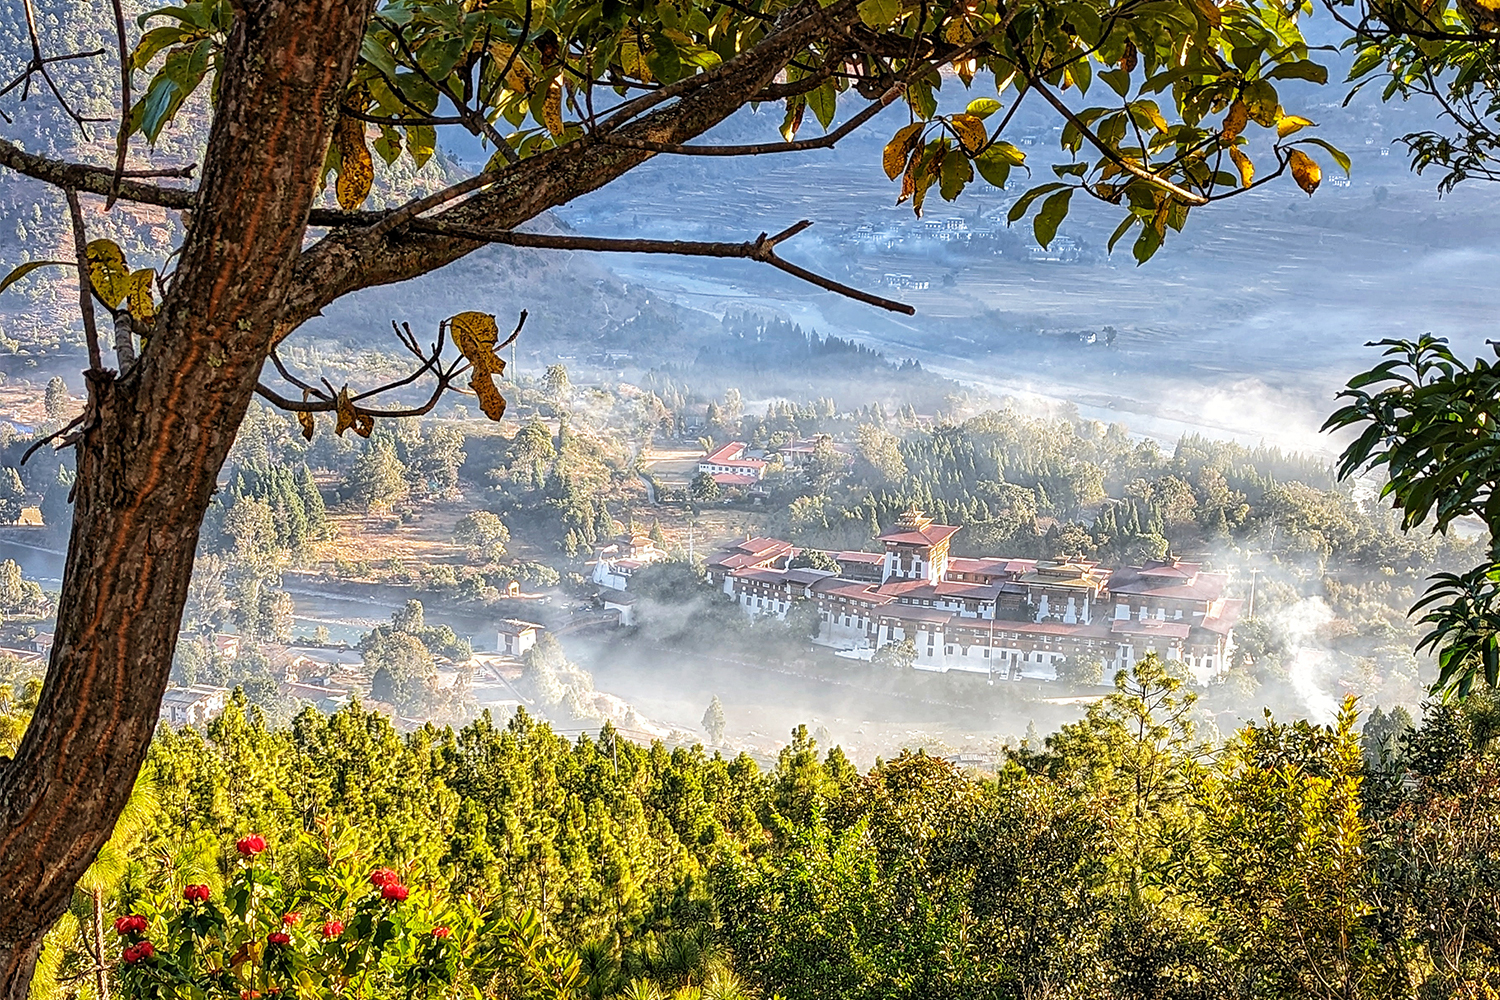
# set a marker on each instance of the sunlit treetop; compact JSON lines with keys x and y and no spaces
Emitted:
{"x":1158,"y":98}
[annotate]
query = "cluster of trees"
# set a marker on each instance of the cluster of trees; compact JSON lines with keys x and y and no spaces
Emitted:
{"x":1127,"y":855}
{"x":400,"y":660}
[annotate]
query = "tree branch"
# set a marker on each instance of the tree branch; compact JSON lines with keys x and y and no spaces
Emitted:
{"x":98,"y":180}
{"x":1108,"y":151}
{"x":122,"y":138}
{"x":762,"y":249}
{"x":85,"y":285}
{"x":755,"y":149}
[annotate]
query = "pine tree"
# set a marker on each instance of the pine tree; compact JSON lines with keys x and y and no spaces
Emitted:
{"x":713,"y":720}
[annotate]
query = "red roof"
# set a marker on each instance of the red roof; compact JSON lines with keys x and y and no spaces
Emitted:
{"x":1151,"y":626}
{"x":1144,"y":581}
{"x":860,"y":557}
{"x":930,"y":535}
{"x":725,"y":453}
{"x":905,"y":612}
{"x":990,"y":567}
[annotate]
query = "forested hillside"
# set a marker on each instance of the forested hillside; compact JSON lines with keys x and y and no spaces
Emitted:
{"x":1126,"y":857}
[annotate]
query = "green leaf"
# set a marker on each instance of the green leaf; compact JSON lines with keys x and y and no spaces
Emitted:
{"x":1302,"y":69}
{"x":995,"y":169}
{"x":1024,"y":202}
{"x":879,"y":13}
{"x":27,"y":268}
{"x":1054,"y":210}
{"x":1120,"y":231}
{"x":1118,"y":80}
{"x":982,"y":107}
{"x":421,"y":142}
{"x":824,"y":103}
{"x":1367,"y":60}
{"x":956,"y":174}
{"x":1146,"y":244}
{"x":1339,"y":156}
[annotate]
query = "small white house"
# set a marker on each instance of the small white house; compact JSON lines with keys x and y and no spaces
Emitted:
{"x":516,"y":637}
{"x":192,"y":706}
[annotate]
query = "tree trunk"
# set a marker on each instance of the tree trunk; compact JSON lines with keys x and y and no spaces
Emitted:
{"x":154,"y":441}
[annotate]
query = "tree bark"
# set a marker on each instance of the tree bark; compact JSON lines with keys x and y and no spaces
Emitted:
{"x":153,"y":444}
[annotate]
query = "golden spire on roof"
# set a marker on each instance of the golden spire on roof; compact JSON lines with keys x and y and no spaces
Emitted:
{"x":913,"y":520}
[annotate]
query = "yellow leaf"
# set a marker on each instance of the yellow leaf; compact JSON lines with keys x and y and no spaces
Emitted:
{"x":894,"y":157}
{"x":27,"y":268}
{"x":909,"y":179}
{"x":357,"y":171}
{"x":632,"y":62}
{"x":1210,"y":12}
{"x":1243,"y":165}
{"x":1288,"y":124}
{"x":138,"y":295}
{"x":475,"y":335}
{"x":552,"y":108}
{"x":1305,"y":170}
{"x":305,"y":418}
{"x":959,"y":32}
{"x":108,"y":272}
{"x":1234,"y":121}
{"x":490,"y":400}
{"x":345,"y":410}
{"x":971,"y":132}
{"x":518,"y":79}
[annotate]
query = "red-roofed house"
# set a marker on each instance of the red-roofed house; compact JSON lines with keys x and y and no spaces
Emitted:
{"x":729,"y":466}
{"x":617,"y":561}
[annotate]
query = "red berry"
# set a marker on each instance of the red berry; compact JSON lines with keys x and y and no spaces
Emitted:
{"x":196,"y":894}
{"x":382,"y":877}
{"x":441,"y":932}
{"x":333,"y":929}
{"x":132,"y":924}
{"x":395,"y":891}
{"x":278,"y":937}
{"x":288,"y":919}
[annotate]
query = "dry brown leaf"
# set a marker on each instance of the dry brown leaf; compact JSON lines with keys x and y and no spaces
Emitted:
{"x":894,"y":157}
{"x":1243,"y":165}
{"x":1234,"y":121}
{"x":490,"y":400}
{"x":345,"y":410}
{"x":1305,"y":170}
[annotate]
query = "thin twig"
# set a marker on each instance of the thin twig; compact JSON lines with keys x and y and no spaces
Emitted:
{"x":85,"y":285}
{"x":122,"y":139}
{"x":761,"y":249}
{"x":412,"y":209}
{"x":755,"y":149}
{"x":36,"y":445}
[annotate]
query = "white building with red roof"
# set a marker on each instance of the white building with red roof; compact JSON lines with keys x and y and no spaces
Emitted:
{"x":621,"y":558}
{"x":728,"y":465}
{"x":1005,"y":617}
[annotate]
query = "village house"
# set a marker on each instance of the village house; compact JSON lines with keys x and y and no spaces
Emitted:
{"x":515,"y":637}
{"x":619,"y":559}
{"x":1003,"y":617}
{"x":192,"y":706}
{"x":728,"y":465}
